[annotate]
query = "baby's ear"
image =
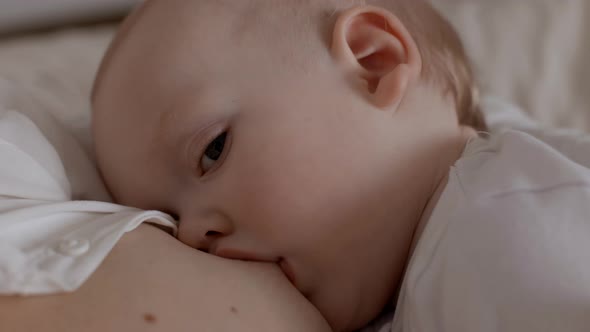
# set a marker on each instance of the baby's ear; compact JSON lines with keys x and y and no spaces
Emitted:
{"x":376,"y":47}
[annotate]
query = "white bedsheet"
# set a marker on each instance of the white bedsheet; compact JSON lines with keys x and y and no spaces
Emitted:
{"x":52,"y":73}
{"x":48,"y":78}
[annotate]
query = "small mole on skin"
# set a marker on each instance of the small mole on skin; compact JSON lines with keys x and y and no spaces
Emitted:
{"x":234,"y":310}
{"x":150,"y":318}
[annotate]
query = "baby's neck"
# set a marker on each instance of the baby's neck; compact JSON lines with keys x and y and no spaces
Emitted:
{"x":466,"y":135}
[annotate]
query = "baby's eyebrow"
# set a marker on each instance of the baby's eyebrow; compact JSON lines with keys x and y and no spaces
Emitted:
{"x":175,"y":119}
{"x":165,"y":129}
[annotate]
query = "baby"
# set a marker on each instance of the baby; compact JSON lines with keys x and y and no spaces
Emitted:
{"x":338,"y":139}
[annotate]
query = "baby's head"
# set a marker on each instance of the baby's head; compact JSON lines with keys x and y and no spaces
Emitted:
{"x":311,"y":133}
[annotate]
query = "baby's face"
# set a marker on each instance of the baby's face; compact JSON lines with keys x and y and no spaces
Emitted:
{"x":260,"y":160}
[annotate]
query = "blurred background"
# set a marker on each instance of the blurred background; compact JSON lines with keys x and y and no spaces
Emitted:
{"x":19,"y":15}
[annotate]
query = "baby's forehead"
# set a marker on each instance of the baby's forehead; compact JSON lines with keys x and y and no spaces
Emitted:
{"x":121,"y":35}
{"x":179,"y":24}
{"x":172,"y":45}
{"x":155,"y":33}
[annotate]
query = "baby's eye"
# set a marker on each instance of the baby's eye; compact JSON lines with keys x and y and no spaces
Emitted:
{"x":213,"y":152}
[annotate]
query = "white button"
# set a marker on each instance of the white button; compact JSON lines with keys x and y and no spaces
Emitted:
{"x":74,"y":247}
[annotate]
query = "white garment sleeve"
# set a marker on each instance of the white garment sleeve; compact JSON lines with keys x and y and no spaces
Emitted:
{"x":506,"y":248}
{"x":503,"y":116}
{"x":49,"y":244}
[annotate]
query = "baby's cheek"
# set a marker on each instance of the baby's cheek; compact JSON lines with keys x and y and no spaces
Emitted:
{"x":272,"y":198}
{"x":187,"y":236}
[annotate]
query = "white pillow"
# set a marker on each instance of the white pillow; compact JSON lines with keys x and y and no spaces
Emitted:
{"x":25,"y":14}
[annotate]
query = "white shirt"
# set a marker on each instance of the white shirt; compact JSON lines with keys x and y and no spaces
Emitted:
{"x":49,"y":243}
{"x":508,"y":245}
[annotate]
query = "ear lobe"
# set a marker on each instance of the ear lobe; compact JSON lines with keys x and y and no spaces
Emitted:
{"x":372,"y":43}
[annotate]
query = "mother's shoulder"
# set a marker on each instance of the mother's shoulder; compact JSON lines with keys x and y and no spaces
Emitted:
{"x":151,"y":279}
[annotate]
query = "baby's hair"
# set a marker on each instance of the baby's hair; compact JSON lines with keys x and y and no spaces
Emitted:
{"x":445,"y":59}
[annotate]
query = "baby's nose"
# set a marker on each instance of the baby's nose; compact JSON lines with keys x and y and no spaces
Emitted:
{"x":201,"y":232}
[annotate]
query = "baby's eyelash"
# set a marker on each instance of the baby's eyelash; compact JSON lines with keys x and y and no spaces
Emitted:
{"x":213,"y":154}
{"x":216,"y":147}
